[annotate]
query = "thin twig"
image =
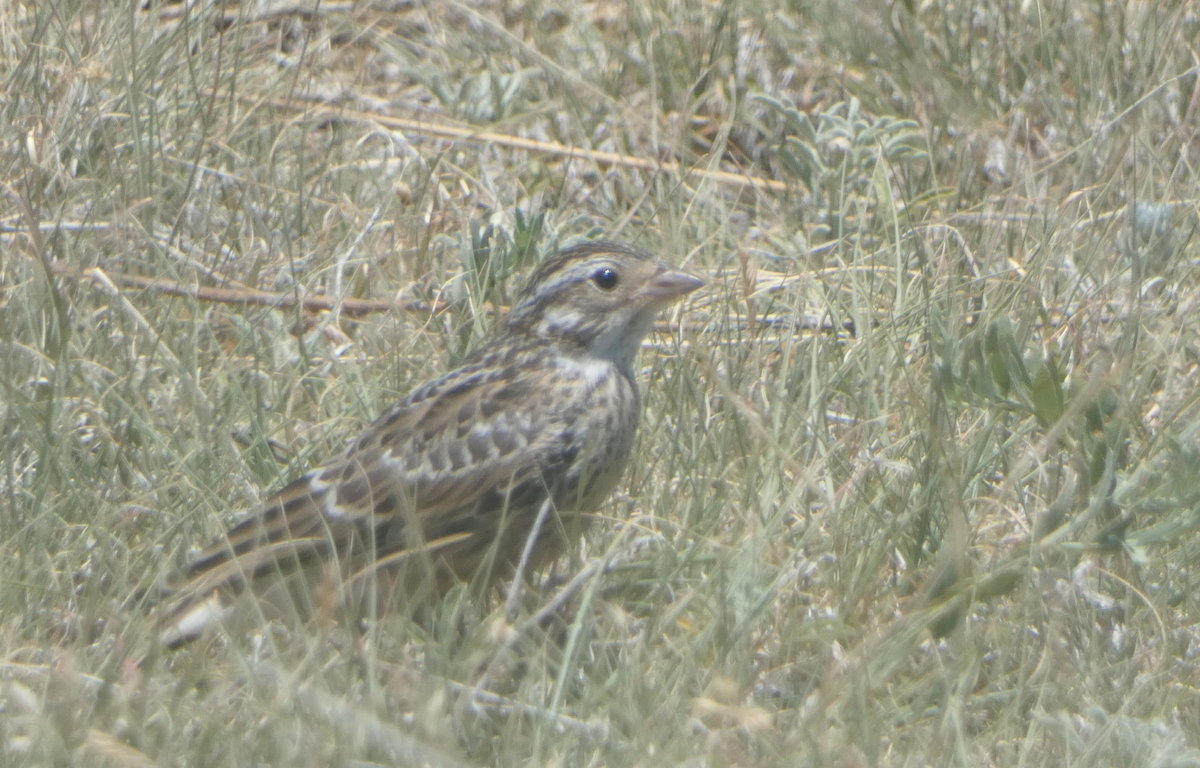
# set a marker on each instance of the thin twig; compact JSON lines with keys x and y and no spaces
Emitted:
{"x":457,"y":133}
{"x":350,"y":306}
{"x":592,"y":730}
{"x":518,"y":581}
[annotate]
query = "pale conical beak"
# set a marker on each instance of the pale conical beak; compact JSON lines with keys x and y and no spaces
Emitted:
{"x":670,"y":285}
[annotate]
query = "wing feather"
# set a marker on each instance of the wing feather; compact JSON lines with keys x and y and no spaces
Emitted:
{"x":455,"y":457}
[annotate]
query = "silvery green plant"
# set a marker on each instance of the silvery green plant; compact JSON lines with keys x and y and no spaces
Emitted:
{"x":837,"y":154}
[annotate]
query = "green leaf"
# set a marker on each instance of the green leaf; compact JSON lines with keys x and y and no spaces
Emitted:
{"x":1046,"y":393}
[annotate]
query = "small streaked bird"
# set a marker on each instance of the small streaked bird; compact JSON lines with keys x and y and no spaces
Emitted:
{"x":499,"y":458}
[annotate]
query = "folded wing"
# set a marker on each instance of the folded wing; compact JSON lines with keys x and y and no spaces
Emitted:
{"x":452,"y":472}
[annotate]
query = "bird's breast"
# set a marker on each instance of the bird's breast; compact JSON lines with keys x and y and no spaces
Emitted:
{"x":600,"y":432}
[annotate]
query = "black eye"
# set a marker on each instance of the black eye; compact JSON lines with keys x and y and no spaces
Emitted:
{"x":605,"y":278}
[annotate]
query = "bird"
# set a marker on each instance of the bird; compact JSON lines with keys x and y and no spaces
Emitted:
{"x":495,"y":464}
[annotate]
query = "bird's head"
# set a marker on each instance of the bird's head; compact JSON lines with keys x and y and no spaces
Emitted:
{"x":602,"y":296}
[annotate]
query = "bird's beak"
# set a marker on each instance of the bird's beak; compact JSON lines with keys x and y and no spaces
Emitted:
{"x":669,"y":285}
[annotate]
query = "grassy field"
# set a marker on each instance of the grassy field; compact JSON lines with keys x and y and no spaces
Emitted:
{"x":918,"y":481}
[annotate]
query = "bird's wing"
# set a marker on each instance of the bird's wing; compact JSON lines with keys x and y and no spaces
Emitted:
{"x":444,"y":457}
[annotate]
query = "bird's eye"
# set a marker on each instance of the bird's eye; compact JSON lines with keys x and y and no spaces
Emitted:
{"x":605,"y":278}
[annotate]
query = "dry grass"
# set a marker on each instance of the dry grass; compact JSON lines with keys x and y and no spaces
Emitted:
{"x":918,"y":482}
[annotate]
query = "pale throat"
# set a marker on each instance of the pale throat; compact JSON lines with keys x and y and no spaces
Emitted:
{"x":621,"y":338}
{"x":616,"y":342}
